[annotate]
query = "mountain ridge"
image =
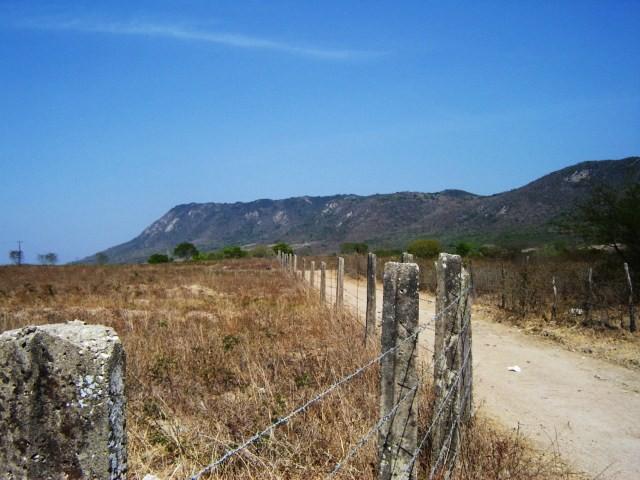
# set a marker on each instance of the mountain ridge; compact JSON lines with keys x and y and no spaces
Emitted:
{"x":320,"y":224}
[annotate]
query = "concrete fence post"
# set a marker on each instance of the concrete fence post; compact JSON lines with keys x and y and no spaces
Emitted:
{"x":452,"y":366}
{"x":304,"y":269}
{"x":295,"y":266}
{"x":340,"y":283}
{"x":62,"y":403}
{"x":407,"y":257}
{"x":312,"y":272}
{"x":398,"y":438}
{"x":370,"y":318}
{"x":323,"y":282}
{"x":632,"y":316}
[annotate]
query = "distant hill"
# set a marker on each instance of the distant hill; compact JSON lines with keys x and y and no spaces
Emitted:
{"x":321,"y":224}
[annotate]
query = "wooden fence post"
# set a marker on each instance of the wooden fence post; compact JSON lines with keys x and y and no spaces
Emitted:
{"x":340,"y":283}
{"x":398,"y":438}
{"x":295,"y":266}
{"x":323,"y":282}
{"x":370,"y":318}
{"x":452,"y":367}
{"x":632,"y":316}
{"x":312,"y":272}
{"x":304,"y":269}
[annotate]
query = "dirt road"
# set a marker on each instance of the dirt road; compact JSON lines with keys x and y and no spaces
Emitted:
{"x":588,"y":407}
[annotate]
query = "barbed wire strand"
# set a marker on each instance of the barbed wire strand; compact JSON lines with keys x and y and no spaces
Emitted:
{"x":417,"y":451}
{"x":214,"y":465}
{"x":365,"y":438}
{"x":449,"y":440}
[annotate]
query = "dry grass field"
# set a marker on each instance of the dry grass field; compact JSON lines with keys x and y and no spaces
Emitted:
{"x":217,"y":352}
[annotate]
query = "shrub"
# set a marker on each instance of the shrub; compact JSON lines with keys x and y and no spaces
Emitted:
{"x":463,"y":249}
{"x":354,"y":247}
{"x":233,"y":251}
{"x":424,"y":248}
{"x":158,"y":258}
{"x":260,"y":251}
{"x":186,"y":250}
{"x":490,"y":251}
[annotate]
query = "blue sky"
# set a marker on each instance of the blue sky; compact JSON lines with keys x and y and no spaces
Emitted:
{"x":110,"y":114}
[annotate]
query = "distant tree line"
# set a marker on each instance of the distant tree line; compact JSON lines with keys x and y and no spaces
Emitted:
{"x":187,"y":251}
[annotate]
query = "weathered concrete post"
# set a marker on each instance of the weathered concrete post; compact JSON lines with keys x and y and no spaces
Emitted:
{"x":312,"y":272}
{"x":62,"y":403}
{"x":323,"y":282}
{"x":554,"y":305}
{"x":503,"y":295}
{"x":304,"y":269}
{"x":398,"y":438}
{"x":340,"y":283}
{"x":370,"y":319}
{"x":452,"y":366}
{"x":407,"y":257}
{"x":295,"y":266}
{"x":632,"y":315}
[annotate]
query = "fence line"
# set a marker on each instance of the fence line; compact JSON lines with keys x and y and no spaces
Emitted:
{"x":398,"y":443}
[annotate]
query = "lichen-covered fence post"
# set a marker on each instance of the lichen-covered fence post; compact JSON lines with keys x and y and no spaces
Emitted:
{"x":632,"y":315}
{"x":62,"y":403}
{"x":312,"y":273}
{"x":452,"y":366}
{"x":340,"y":284}
{"x":407,"y":257}
{"x":370,"y":318}
{"x":323,"y":282}
{"x":398,"y":438}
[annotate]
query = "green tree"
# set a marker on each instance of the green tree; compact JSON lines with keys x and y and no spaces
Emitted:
{"x":158,"y":258}
{"x":282,"y":247}
{"x":48,"y":258}
{"x":16,"y":256}
{"x":185,"y":250}
{"x":354,"y":247}
{"x":611,"y":216}
{"x":424,"y":248}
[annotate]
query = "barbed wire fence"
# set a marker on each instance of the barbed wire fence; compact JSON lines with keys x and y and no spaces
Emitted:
{"x":400,"y":447}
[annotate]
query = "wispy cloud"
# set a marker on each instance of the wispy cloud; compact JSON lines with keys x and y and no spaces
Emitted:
{"x":187,"y":33}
